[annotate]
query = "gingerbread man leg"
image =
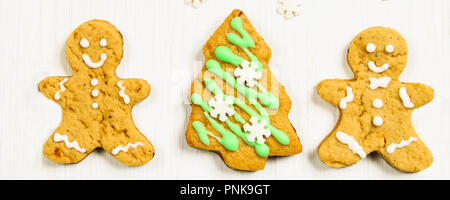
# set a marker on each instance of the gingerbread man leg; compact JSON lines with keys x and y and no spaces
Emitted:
{"x":345,"y":144}
{"x":126,"y":143}
{"x":406,"y":152}
{"x":70,"y":142}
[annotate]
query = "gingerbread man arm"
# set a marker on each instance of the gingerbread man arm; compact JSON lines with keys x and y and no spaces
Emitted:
{"x":419,"y":94}
{"x":53,"y":87}
{"x":332,"y":90}
{"x":135,"y":89}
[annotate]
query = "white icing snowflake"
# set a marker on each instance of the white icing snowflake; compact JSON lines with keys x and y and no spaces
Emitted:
{"x":257,"y":130}
{"x":247,"y":73}
{"x":194,"y":3}
{"x":289,"y":8}
{"x":222,"y":106}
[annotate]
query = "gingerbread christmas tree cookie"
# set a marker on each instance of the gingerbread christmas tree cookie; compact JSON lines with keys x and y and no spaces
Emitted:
{"x":239,"y":108}
{"x":96,"y":104}
{"x":375,"y":106}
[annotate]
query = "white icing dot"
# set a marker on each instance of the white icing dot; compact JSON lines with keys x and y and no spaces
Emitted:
{"x":94,"y":105}
{"x":84,"y":43}
{"x":94,"y":93}
{"x":103,"y":42}
{"x":371,"y":47}
{"x":377,"y":103}
{"x":94,"y":82}
{"x":389,"y":48}
{"x":103,"y":56}
{"x":377,"y":121}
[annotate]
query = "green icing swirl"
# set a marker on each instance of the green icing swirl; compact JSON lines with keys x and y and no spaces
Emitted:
{"x":238,"y":118}
{"x":279,"y":135}
{"x":212,"y":86}
{"x":197,"y":100}
{"x":203,"y":133}
{"x":245,"y":42}
{"x":229,"y":140}
{"x":225,"y":54}
{"x":266,"y":98}
{"x":261,"y":149}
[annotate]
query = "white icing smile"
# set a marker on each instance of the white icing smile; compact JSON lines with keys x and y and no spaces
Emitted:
{"x":377,"y":69}
{"x":87,"y":60}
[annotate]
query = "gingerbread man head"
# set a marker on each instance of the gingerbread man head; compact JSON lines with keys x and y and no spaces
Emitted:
{"x":373,"y":53}
{"x":94,"y":46}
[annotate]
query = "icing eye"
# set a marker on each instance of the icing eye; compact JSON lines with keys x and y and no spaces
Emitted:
{"x":389,"y":48}
{"x":371,"y":47}
{"x":103,"y":42}
{"x":84,"y":43}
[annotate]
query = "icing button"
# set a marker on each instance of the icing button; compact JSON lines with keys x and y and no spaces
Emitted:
{"x":94,"y":93}
{"x":103,"y":42}
{"x":377,"y":121}
{"x":94,"y":82}
{"x":377,"y":103}
{"x":94,"y":105}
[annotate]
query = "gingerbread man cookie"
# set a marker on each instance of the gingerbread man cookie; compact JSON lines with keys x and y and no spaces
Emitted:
{"x":96,"y":103}
{"x":375,"y":106}
{"x":239,"y":108}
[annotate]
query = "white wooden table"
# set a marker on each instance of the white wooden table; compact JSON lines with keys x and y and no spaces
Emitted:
{"x":163,"y":42}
